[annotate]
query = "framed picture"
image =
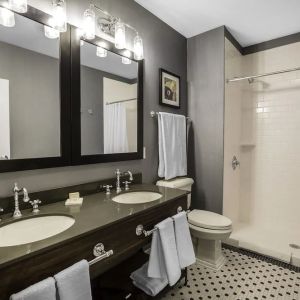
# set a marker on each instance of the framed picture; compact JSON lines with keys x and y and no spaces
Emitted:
{"x":169,"y":89}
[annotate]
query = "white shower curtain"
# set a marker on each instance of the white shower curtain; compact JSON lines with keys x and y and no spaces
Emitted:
{"x":115,"y":128}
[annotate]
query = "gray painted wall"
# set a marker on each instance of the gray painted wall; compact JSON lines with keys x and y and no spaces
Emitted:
{"x":91,"y":98}
{"x":164,"y":47}
{"x":206,"y":109}
{"x":34,"y":101}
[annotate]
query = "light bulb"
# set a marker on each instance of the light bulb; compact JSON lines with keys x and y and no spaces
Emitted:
{"x":7,"y":17}
{"x":120,"y":40}
{"x":126,"y":60}
{"x":59,"y":19}
{"x":50,"y":32}
{"x":89,"y":23}
{"x":138,"y":48}
{"x":19,"y":6}
{"x":101,"y":52}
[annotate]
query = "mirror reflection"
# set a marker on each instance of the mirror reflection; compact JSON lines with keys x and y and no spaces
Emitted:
{"x":108,"y":102}
{"x":29,"y":91}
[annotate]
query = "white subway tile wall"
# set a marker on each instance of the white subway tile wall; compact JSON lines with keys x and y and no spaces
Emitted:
{"x":269,"y":176}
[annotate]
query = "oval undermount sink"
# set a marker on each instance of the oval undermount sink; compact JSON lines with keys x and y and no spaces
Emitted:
{"x":34,"y":229}
{"x":137,"y":197}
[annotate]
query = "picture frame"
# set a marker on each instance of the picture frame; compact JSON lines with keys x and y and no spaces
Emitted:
{"x":169,"y":89}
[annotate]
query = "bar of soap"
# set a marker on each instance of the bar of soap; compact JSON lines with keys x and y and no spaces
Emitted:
{"x":74,"y":201}
{"x":74,"y":195}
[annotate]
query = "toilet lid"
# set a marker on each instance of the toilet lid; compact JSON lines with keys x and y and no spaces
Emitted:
{"x":209,"y":220}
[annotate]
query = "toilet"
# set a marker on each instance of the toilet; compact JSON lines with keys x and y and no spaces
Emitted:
{"x":208,"y":229}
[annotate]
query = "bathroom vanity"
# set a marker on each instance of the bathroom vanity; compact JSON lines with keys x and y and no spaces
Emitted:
{"x":100,"y":220}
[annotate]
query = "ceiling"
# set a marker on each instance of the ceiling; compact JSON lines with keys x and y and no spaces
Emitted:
{"x":250,"y":22}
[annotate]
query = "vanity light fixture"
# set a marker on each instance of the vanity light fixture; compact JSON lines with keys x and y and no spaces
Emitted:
{"x":120,"y":35}
{"x":50,"y":32}
{"x":125,"y":59}
{"x":59,"y":16}
{"x":113,"y":27}
{"x":7,"y":17}
{"x":138,"y":48}
{"x":19,"y":6}
{"x":89,"y":27}
{"x":101,"y":52}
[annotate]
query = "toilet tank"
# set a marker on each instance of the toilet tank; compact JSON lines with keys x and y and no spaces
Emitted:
{"x":182,"y":183}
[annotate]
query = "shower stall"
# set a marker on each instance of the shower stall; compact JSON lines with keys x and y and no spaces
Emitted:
{"x":262,"y":150}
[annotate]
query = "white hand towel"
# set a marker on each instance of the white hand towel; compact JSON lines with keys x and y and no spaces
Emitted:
{"x":172,"y":145}
{"x":185,"y":249}
{"x":74,"y":283}
{"x":163,"y":261}
{"x":42,"y":290}
{"x":151,"y":286}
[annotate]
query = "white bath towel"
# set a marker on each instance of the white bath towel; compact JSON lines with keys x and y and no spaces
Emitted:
{"x":42,"y":290}
{"x":74,"y":283}
{"x":172,"y":145}
{"x":185,"y":249}
{"x":151,"y":286}
{"x":163,"y":262}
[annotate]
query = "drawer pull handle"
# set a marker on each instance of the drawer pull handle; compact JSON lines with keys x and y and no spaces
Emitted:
{"x":100,"y":253}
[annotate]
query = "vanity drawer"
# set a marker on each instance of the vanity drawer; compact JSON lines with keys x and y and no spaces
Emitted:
{"x":119,"y":236}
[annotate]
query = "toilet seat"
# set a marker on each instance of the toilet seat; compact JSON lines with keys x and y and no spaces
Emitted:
{"x":209,"y":220}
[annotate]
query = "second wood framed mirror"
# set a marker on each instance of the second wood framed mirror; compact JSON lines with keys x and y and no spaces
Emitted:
{"x":107,"y":102}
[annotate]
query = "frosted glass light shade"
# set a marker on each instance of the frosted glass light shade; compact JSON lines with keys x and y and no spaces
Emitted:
{"x":125,"y":58}
{"x":59,"y":18}
{"x":126,"y":61}
{"x":7,"y":17}
{"x":138,"y":48}
{"x":50,"y":32}
{"x":19,"y":6}
{"x":120,"y":39}
{"x":101,"y":52}
{"x":89,"y":26}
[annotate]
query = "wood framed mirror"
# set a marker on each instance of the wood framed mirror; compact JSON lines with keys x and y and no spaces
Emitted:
{"x":35,"y":110}
{"x":107,"y":102}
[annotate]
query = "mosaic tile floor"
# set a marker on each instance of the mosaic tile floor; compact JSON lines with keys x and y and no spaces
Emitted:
{"x":245,"y":276}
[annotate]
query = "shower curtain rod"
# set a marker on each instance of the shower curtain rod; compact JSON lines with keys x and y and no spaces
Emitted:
{"x":125,"y":100}
{"x":251,"y":78}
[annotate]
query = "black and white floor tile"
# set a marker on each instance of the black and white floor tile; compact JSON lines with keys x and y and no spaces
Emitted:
{"x":244,"y":276}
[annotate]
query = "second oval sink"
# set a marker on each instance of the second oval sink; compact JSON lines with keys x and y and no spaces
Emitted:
{"x":137,"y":197}
{"x":33,"y":229}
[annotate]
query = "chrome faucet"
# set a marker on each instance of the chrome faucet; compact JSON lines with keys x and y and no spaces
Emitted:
{"x":118,"y":183}
{"x":17,"y":213}
{"x":130,"y":175}
{"x":1,"y":210}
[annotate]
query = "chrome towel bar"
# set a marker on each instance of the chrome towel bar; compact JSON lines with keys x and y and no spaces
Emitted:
{"x":100,"y":253}
{"x":140,"y":228}
{"x":153,"y":114}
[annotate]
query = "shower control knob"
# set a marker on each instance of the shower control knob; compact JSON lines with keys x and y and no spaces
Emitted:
{"x":235,"y":163}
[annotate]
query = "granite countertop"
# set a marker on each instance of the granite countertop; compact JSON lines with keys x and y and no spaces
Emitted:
{"x":98,"y":211}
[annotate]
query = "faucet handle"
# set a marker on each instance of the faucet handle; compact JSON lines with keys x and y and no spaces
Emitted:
{"x":126,"y":185}
{"x":35,"y":205}
{"x":107,"y":188}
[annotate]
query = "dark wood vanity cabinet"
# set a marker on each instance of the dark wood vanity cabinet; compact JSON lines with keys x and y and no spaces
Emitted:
{"x":119,"y":236}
